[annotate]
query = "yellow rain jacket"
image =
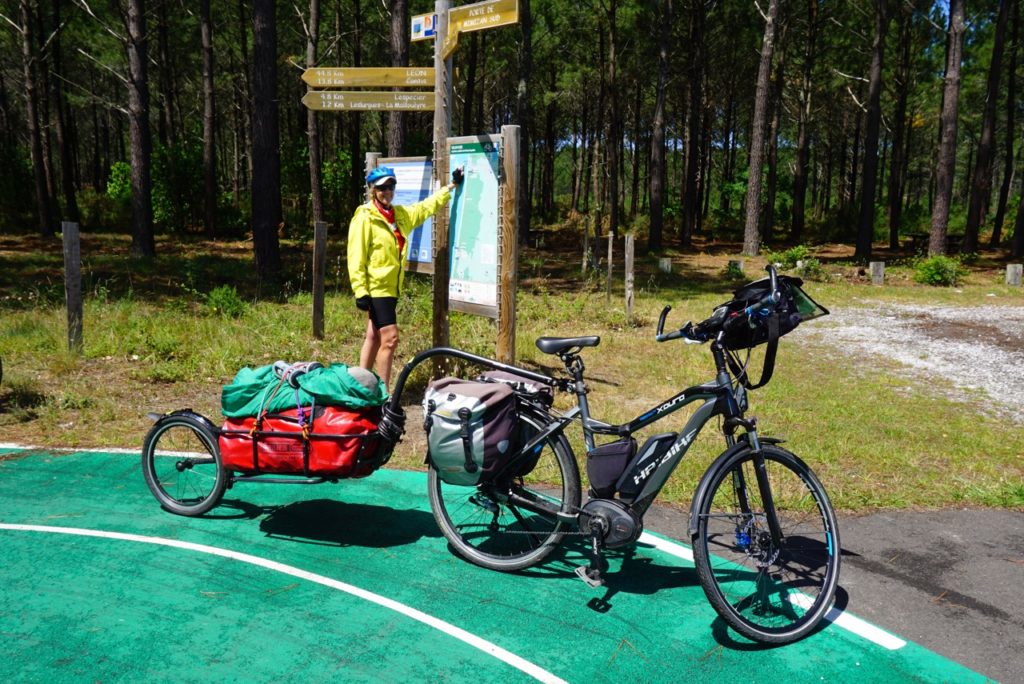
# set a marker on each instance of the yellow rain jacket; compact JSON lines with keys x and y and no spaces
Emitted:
{"x":375,"y":267}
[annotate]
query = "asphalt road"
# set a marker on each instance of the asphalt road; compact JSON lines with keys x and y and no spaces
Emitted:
{"x":951,"y":580}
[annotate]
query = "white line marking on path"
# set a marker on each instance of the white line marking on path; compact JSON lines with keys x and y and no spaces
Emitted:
{"x":841,"y":618}
{"x":512,"y":659}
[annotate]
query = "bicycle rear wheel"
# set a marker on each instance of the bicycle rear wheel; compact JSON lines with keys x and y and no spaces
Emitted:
{"x":494,"y":526}
{"x":181,"y":464}
{"x":770,"y":592}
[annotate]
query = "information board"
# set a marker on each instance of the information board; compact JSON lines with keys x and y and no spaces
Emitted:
{"x":473,"y":225}
{"x":414,"y":184}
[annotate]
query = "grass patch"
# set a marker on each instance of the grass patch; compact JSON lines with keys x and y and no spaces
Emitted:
{"x":155,"y":340}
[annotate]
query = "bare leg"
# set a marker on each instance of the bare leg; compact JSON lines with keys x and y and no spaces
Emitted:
{"x":386,"y":353}
{"x":371,"y":343}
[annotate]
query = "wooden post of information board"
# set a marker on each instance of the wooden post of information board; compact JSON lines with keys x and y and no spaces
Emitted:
{"x":319,"y":269}
{"x":508,"y":254}
{"x":73,"y":284}
{"x":442,"y":125}
{"x":369,"y":165}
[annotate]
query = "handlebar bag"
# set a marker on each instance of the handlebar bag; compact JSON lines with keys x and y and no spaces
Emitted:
{"x":744,"y":328}
{"x":470,"y":428}
{"x":333,"y":442}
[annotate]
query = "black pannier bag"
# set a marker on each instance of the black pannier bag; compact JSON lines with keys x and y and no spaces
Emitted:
{"x":745,"y":324}
{"x":471,"y":428}
{"x":605,"y":465}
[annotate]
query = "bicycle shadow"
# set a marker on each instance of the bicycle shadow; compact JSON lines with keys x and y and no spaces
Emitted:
{"x":327,"y":522}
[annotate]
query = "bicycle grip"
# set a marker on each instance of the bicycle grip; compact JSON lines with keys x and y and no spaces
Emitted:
{"x":661,"y":321}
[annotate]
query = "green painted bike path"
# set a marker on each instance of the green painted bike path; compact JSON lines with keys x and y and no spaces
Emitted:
{"x":167,"y":604}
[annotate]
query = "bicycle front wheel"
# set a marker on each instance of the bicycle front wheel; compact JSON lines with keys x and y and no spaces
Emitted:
{"x":772,"y":588}
{"x":181,"y":464}
{"x":513,"y":526}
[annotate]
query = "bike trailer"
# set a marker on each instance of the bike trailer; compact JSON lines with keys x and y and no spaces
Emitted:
{"x":470,"y":428}
{"x":322,"y":441}
{"x":276,"y":423}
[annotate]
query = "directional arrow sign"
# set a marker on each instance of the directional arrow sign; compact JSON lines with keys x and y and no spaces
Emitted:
{"x":357,"y":77}
{"x":476,"y":17}
{"x":347,"y":100}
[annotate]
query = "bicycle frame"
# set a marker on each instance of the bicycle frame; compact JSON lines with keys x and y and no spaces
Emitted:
{"x":718,"y":396}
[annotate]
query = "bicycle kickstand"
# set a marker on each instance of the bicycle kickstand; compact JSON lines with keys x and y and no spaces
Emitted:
{"x":593,"y":574}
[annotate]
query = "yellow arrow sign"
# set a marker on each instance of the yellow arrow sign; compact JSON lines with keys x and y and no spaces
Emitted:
{"x":347,"y":100}
{"x":476,"y":17}
{"x":358,"y":77}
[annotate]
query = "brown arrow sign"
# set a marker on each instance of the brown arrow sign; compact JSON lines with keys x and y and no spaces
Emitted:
{"x":345,"y":100}
{"x":358,"y":77}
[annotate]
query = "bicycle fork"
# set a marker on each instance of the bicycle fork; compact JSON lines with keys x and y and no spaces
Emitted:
{"x":743,"y":533}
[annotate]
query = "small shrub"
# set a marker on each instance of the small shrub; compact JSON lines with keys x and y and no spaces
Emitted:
{"x":787,"y":259}
{"x":733,"y":271}
{"x":811,"y":269}
{"x":224,"y":301}
{"x":938,"y":270}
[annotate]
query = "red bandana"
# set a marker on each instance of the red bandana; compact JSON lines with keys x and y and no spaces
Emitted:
{"x":389,"y":215}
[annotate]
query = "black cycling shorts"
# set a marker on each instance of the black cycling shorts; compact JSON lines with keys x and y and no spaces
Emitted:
{"x":382,"y":311}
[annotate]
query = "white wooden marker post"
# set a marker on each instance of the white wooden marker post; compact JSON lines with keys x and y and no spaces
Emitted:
{"x":629,"y":277}
{"x":1013,"y":274}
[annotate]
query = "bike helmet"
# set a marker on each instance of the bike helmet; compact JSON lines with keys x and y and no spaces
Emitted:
{"x":380,"y":175}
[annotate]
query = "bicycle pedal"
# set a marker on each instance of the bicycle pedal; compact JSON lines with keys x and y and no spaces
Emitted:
{"x":593,"y":578}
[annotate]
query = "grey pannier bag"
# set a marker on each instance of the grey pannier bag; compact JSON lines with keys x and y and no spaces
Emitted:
{"x":469,"y":426}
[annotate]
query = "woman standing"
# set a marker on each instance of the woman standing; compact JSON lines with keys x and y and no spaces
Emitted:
{"x":378,"y":238}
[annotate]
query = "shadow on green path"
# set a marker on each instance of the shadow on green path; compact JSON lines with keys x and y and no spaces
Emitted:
{"x":131,"y":609}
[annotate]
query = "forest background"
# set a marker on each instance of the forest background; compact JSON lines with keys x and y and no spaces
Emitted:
{"x":772,"y":121}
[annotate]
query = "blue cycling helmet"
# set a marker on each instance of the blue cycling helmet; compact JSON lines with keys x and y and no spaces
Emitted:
{"x":380,"y":175}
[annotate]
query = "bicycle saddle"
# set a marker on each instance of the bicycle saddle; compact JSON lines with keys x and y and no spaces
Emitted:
{"x":557,"y":345}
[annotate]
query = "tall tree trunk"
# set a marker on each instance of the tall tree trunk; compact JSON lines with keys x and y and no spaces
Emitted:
{"x":29,"y":62}
{"x":866,"y":225}
{"x":64,"y":138}
{"x":773,"y":144}
{"x":312,"y":128}
{"x":981,"y":188}
{"x":634,"y":188}
{"x":357,"y":185}
{"x":803,"y":137}
{"x":946,"y":165}
{"x":547,"y":181}
{"x":399,"y":39}
{"x":691,"y":193}
{"x":614,"y":121}
{"x":266,"y":162}
{"x":1011,"y":131}
{"x":897,"y":163}
{"x":524,"y":117}
{"x":209,"y":123}
{"x":657,"y":174}
{"x":143,"y":243}
{"x":166,"y":129}
{"x":751,"y":234}
{"x":1017,"y":251}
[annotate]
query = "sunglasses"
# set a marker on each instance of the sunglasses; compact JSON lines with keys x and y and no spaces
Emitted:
{"x":387,"y":186}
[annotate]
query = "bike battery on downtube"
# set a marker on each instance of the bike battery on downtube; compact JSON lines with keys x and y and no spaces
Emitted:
{"x":643,"y":464}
